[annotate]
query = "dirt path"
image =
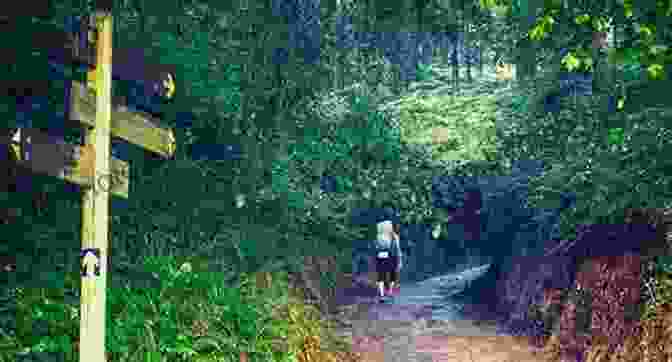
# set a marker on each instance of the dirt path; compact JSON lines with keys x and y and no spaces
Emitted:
{"x":406,"y":332}
{"x":423,"y":340}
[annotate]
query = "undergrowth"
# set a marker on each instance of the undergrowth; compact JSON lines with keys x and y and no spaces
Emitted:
{"x":193,"y":315}
{"x":652,"y":334}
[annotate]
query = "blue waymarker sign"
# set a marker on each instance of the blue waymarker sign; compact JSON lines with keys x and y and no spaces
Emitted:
{"x":90,"y":262}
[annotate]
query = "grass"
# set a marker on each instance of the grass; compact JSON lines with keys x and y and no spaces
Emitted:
{"x":465,"y":120}
{"x":191,"y":315}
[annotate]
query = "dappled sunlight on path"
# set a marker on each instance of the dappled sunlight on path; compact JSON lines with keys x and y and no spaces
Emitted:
{"x":411,"y":343}
{"x":419,"y":326}
{"x":476,"y":349}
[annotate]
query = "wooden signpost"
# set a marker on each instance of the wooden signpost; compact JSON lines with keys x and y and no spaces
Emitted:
{"x":27,"y":8}
{"x":78,"y":48}
{"x":95,"y":207}
{"x":92,"y":167}
{"x":42,"y":153}
{"x":135,"y":127}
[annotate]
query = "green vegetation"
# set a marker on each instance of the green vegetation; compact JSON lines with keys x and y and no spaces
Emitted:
{"x":297,"y":121}
{"x":607,"y":147}
{"x":189,"y":314}
{"x":469,"y":120}
{"x":657,"y":287}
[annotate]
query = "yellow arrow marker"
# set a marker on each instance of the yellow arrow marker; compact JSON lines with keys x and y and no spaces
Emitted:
{"x":132,"y":126}
{"x":169,"y":86}
{"x":16,"y":144}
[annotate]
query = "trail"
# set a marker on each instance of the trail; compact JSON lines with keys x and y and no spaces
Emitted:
{"x":422,"y":324}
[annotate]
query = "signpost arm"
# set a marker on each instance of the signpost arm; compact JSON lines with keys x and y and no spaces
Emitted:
{"x":95,"y":207}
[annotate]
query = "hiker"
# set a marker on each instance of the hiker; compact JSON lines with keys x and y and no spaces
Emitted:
{"x":395,"y":277}
{"x":388,"y":257}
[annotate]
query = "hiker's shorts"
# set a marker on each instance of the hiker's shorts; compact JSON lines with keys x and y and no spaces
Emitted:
{"x":386,"y":268}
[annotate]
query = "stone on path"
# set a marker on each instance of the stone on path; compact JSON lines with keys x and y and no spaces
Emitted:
{"x":406,"y":332}
{"x":475,"y":349}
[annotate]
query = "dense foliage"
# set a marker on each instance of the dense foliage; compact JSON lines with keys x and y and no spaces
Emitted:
{"x":289,"y":115}
{"x":595,"y":144}
{"x":168,"y":310}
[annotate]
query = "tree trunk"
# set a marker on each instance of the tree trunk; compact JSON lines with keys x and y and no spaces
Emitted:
{"x":468,"y":51}
{"x":336,"y":57}
{"x":602,"y":73}
{"x":480,"y":58}
{"x":445,"y":51}
{"x":454,"y":61}
{"x":527,"y":65}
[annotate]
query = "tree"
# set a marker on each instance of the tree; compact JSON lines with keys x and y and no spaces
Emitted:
{"x":596,"y":146}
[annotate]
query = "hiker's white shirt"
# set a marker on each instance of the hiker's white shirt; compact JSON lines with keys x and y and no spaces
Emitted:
{"x":386,"y":237}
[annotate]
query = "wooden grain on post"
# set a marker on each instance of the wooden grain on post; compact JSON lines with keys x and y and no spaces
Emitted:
{"x":264,"y":280}
{"x":132,"y":126}
{"x":45,"y":154}
{"x":77,"y":48}
{"x":95,"y":207}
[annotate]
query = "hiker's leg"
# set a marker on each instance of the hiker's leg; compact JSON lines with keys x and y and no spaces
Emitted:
{"x":390,"y":281}
{"x":380,"y":271}
{"x":389,"y":272}
{"x":386,"y":278}
{"x":395,"y":273}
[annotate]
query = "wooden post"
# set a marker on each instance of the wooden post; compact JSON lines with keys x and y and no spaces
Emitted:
{"x":95,"y":207}
{"x":264,"y":280}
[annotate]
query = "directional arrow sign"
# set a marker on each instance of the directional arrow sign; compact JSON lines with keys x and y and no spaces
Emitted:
{"x":24,"y":88}
{"x":134,"y":127}
{"x":60,"y":45}
{"x":43,"y":153}
{"x":70,"y":48}
{"x":90,"y":262}
{"x":25,"y":8}
{"x":130,"y":64}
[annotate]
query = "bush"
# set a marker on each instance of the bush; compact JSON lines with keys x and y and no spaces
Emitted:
{"x":193,"y":315}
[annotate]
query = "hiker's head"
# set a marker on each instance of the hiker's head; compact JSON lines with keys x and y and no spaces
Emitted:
{"x":388,"y":212}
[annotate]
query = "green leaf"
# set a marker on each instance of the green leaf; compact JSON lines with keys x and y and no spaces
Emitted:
{"x":656,"y":50}
{"x":656,"y":71}
{"x":600,"y":24}
{"x":616,"y":136}
{"x":64,"y":343}
{"x":664,"y":264}
{"x":646,"y":31}
{"x":537,"y":33}
{"x":620,"y":104}
{"x":582,"y":19}
{"x":571,"y":62}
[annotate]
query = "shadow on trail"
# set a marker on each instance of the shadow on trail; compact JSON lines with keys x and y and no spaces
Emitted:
{"x":431,"y":299}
